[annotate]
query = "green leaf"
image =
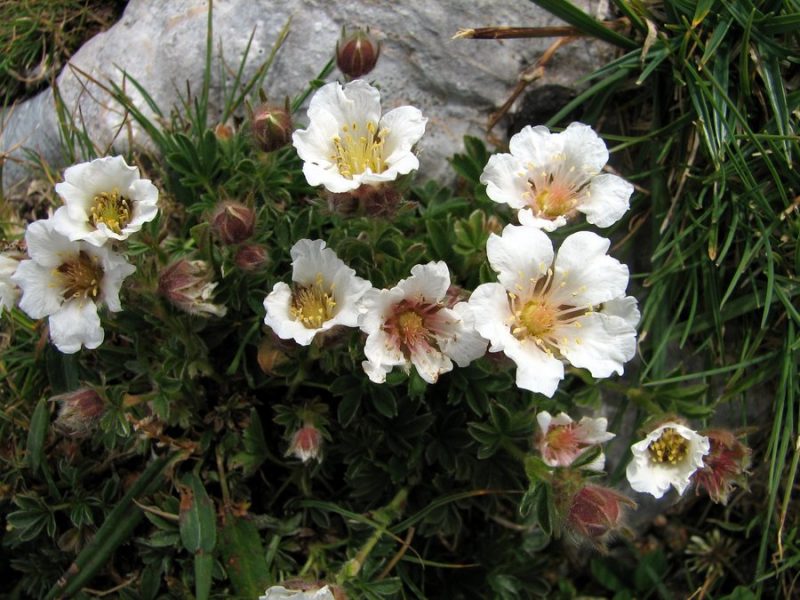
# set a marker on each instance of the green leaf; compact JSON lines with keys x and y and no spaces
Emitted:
{"x":198,"y":524}
{"x":203,"y":569}
{"x":348,"y":407}
{"x":536,"y":469}
{"x":40,"y":420}
{"x":243,"y":556}
{"x":545,"y":510}
{"x":384,"y":401}
{"x":116,"y":529}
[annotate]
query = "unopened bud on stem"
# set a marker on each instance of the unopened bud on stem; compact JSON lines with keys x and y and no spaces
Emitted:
{"x":357,"y":53}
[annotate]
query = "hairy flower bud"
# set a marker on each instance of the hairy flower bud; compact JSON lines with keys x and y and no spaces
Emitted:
{"x":595,"y":512}
{"x":187,"y":285}
{"x":272,"y":127}
{"x":78,"y":411}
{"x":306,"y":443}
{"x":233,"y":222}
{"x":357,"y":53}
{"x":251,"y":257}
{"x":724,"y":467}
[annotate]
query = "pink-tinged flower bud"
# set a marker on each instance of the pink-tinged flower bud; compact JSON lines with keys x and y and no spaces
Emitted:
{"x":223,"y":131}
{"x":79,"y":411}
{"x":251,"y":257}
{"x":306,"y":443}
{"x":272,"y":127}
{"x":233,"y":222}
{"x":724,"y":467}
{"x":595,"y":513}
{"x":357,"y":53}
{"x":187,"y":285}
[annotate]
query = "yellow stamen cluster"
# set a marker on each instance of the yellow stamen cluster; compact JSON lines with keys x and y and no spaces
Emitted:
{"x":671,"y":447}
{"x":554,"y":202}
{"x":356,"y":152}
{"x":111,"y":208}
{"x":538,"y":317}
{"x":410,"y":324}
{"x":80,"y":277}
{"x":313,"y":305}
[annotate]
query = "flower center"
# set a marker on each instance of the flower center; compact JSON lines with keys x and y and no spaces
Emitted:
{"x":410,"y":325}
{"x":312,"y":305}
{"x":553,"y":201}
{"x":537,"y":317}
{"x":80,"y":277}
{"x":562,"y":438}
{"x":357,"y":151}
{"x":670,"y":447}
{"x":111,"y":208}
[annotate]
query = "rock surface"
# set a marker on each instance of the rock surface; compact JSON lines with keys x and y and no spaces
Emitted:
{"x":456,"y":83}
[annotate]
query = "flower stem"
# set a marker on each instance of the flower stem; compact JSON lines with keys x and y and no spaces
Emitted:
{"x":383,"y":517}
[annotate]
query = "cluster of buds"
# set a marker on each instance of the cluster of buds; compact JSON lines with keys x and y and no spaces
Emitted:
{"x":588,"y":513}
{"x":188,"y":285}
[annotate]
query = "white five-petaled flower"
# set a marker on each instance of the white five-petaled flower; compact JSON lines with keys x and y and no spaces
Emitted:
{"x":546,"y":310}
{"x":67,"y":281}
{"x":410,"y":324}
{"x":561,"y":440}
{"x":278,"y":592}
{"x":348,"y":143}
{"x":104,"y":199}
{"x":326,"y":293}
{"x":9,"y":292}
{"x":668,"y":456}
{"x":551,"y":176}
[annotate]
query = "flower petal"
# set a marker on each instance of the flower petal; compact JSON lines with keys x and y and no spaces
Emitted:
{"x":605,"y":200}
{"x":537,"y":370}
{"x":602,"y":344}
{"x":40,"y":297}
{"x":584,"y":147}
{"x":75,"y":324}
{"x":405,"y":126}
{"x":521,"y":255}
{"x":584,"y":275}
{"x":526,"y":217}
{"x":505,"y":179}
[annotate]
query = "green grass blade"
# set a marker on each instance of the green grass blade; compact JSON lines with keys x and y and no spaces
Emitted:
{"x":585,"y":23}
{"x":116,"y":529}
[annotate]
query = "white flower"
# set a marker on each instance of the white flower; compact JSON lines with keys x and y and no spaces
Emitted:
{"x":561,"y":440}
{"x":326,"y":293}
{"x":278,"y":592}
{"x":553,"y":175}
{"x":104,"y":199}
{"x":348,"y":143}
{"x":67,"y":281}
{"x":9,"y":292}
{"x":410,"y":324}
{"x":544,"y":311}
{"x":668,"y":456}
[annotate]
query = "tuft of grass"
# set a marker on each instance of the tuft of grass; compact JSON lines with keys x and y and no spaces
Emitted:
{"x":37,"y":38}
{"x":700,"y":109}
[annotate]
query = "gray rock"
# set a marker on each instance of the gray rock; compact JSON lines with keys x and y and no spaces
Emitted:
{"x":456,"y":83}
